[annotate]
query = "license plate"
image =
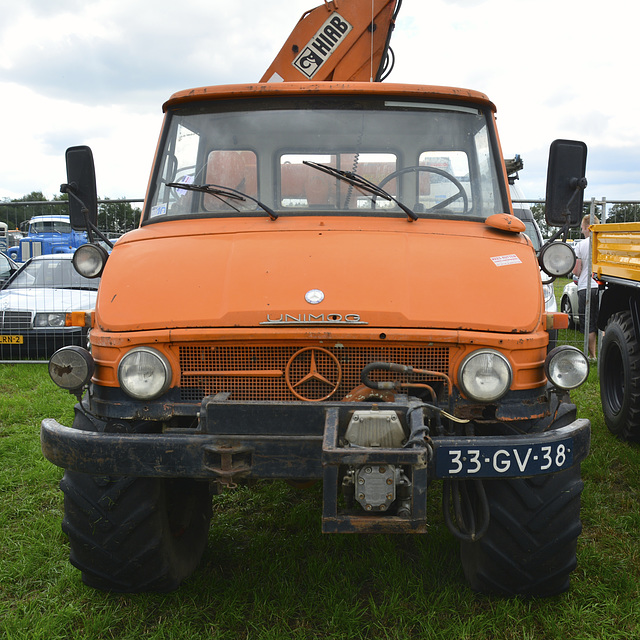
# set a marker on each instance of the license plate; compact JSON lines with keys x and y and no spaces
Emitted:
{"x":11,"y":340}
{"x":499,"y":461}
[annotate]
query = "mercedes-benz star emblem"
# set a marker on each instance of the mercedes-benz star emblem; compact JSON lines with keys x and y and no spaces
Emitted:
{"x":314,"y":296}
{"x":313,"y":374}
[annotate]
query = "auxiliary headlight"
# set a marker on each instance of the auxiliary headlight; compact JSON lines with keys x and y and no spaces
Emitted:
{"x":144,"y":373}
{"x":71,"y":367}
{"x":566,"y":367}
{"x":89,"y":260}
{"x":485,"y":375}
{"x":557,"y":259}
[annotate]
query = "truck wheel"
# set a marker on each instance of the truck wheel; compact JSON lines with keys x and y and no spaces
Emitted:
{"x":131,"y":534}
{"x":620,"y":377}
{"x":529,"y":547}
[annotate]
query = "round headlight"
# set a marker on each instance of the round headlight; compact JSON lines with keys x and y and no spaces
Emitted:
{"x":485,"y":375}
{"x":557,"y":259}
{"x":89,"y":260}
{"x":144,"y":373}
{"x":566,"y":367}
{"x":71,"y":367}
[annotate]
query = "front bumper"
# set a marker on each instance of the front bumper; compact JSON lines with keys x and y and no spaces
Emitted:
{"x":299,"y":441}
{"x":304,"y":441}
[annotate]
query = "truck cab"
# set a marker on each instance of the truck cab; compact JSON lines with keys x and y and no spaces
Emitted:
{"x":355,"y":303}
{"x":47,"y":234}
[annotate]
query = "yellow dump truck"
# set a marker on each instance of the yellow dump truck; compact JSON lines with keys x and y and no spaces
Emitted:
{"x":616,"y":263}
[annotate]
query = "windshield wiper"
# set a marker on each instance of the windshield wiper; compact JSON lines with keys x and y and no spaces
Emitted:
{"x":224,"y":194}
{"x":360,"y":183}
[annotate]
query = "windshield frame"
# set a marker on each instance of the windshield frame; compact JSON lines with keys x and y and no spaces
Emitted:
{"x":348,"y":104}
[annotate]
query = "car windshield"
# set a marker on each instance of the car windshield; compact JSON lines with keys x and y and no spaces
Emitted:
{"x":300,"y":156}
{"x":52,"y":273}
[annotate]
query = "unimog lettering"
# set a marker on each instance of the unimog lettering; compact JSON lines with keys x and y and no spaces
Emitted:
{"x":310,"y":318}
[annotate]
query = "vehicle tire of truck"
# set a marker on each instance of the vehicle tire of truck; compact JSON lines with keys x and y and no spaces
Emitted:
{"x":529,"y":548}
{"x":130,"y":534}
{"x":620,"y":377}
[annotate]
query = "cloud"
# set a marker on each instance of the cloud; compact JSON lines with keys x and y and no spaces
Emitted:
{"x":98,"y":71}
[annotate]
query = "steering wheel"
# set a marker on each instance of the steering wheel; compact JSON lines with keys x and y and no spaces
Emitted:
{"x":461,"y":193}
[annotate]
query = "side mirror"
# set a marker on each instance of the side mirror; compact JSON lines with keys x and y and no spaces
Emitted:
{"x":81,"y":187}
{"x":566,"y":183}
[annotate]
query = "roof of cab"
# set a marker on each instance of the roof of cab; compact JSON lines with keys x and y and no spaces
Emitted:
{"x":254,"y":90}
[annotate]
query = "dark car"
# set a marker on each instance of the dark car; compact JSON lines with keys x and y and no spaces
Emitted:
{"x":7,"y":268}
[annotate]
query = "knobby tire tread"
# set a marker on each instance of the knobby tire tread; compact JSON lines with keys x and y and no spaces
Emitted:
{"x":530,"y":546}
{"x":130,"y":534}
{"x":620,"y":377}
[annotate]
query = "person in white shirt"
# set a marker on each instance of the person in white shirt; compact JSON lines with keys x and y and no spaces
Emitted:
{"x":586,"y":281}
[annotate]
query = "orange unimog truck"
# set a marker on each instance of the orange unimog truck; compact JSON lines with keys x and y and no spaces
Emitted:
{"x":327,"y":283}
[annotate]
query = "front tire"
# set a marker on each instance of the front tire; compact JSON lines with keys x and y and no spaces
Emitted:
{"x":130,"y":534}
{"x":620,"y":377}
{"x":529,"y":547}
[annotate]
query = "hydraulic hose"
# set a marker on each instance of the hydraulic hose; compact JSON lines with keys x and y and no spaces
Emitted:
{"x":471,"y":517}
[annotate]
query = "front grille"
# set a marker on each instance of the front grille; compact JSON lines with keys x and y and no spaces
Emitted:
{"x":289,"y":373}
{"x":15,"y":320}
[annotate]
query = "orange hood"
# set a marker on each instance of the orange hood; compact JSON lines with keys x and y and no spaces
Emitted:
{"x":252,"y":272}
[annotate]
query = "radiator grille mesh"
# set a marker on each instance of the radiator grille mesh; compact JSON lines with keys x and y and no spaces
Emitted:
{"x":276,"y":372}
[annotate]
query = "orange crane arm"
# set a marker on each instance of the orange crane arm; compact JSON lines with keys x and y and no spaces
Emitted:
{"x":346,"y":40}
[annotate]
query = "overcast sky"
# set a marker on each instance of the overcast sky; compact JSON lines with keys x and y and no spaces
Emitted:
{"x":96,"y":72}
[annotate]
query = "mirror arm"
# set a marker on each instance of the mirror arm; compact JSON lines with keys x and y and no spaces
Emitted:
{"x":562,"y":231}
{"x":91,"y":228}
{"x":578,"y":184}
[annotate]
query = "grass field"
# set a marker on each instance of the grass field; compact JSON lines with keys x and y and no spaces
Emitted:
{"x":269,"y":573}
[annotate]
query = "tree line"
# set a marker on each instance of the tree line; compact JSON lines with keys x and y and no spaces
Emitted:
{"x":119,"y":217}
{"x":113,"y":217}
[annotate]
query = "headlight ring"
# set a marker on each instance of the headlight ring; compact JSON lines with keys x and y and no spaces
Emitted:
{"x":144,"y":373}
{"x":566,"y":367}
{"x":485,"y":375}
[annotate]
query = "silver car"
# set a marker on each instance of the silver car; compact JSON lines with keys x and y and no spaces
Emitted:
{"x":569,"y":304}
{"x":34,"y":307}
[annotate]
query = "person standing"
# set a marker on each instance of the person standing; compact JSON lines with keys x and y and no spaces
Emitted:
{"x":586,"y":282}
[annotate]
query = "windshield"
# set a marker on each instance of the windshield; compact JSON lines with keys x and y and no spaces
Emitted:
{"x":53,"y":273}
{"x":298,"y":157}
{"x":50,"y":226}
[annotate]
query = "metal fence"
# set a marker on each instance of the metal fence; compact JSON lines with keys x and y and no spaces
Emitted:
{"x":599,"y":210}
{"x":55,"y":287}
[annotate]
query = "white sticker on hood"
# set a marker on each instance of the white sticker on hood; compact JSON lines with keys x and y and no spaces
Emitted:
{"x":503,"y":261}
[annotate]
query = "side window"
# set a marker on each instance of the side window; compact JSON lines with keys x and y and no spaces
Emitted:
{"x":179,"y":166}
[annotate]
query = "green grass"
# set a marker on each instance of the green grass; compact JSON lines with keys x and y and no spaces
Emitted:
{"x":269,"y":573}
